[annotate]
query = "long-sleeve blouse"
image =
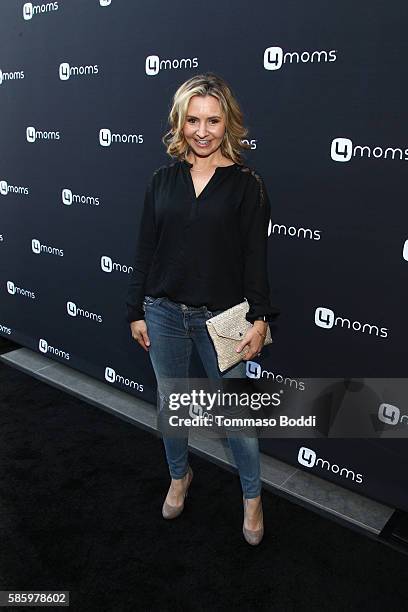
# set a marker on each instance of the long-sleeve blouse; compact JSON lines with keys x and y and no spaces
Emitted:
{"x":208,"y":250}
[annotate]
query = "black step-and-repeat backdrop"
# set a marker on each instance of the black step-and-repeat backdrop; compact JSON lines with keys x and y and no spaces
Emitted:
{"x":85,"y":89}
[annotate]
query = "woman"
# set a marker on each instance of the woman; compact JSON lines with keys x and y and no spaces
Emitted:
{"x":201,"y":250}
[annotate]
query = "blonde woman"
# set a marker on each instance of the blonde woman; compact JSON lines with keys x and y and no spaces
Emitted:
{"x":202,"y":248}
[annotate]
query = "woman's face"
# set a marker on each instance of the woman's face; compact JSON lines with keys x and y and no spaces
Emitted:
{"x":204,"y":126}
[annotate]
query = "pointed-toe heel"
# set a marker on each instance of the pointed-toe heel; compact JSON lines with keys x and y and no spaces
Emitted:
{"x":252,"y":536}
{"x":171,"y":512}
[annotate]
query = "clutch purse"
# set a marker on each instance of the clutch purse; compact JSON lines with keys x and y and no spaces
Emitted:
{"x":227,"y":330}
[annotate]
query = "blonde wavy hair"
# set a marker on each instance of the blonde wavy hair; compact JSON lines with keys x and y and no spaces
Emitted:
{"x":201,"y":85}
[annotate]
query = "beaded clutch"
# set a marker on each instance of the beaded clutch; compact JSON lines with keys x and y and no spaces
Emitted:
{"x":227,"y":330}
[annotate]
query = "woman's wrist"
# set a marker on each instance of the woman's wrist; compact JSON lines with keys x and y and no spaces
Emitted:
{"x":260,"y":327}
{"x":260,"y":324}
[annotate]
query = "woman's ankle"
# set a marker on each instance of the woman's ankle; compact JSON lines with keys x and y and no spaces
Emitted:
{"x":179,"y":482}
{"x":253,"y":499}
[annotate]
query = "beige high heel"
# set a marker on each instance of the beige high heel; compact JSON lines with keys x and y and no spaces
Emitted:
{"x":171,"y":512}
{"x":252,"y":536}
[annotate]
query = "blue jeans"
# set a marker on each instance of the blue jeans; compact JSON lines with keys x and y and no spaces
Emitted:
{"x":173,"y":328}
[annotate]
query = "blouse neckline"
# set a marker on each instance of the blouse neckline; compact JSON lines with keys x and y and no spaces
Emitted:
{"x":187,"y":163}
{"x":220,"y":171}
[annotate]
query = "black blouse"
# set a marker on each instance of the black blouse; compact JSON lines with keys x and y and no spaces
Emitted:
{"x":209,"y":250}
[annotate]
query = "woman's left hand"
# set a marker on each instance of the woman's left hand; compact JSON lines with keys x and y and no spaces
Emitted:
{"x":253,"y":340}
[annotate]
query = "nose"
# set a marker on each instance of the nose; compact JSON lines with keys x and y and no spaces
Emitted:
{"x":202,"y":131}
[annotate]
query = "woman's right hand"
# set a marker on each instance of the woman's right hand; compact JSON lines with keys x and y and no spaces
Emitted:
{"x":139,"y":333}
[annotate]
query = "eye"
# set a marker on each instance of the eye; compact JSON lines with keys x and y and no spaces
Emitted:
{"x":192,"y":120}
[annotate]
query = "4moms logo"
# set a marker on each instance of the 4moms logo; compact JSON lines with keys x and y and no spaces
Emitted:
{"x":343,"y":149}
{"x":324,"y":317}
{"x":75,"y":311}
{"x":6,"y":188}
{"x":308,"y":458}
{"x":107,"y":265}
{"x":11,"y":76}
{"x":45,"y":347}
{"x":275,"y":57}
{"x":107,"y":138}
{"x":32,"y":134}
{"x":111,"y":376}
{"x":65,"y":71}
{"x":391,"y":415}
{"x":153,"y":64}
{"x":30,"y":9}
